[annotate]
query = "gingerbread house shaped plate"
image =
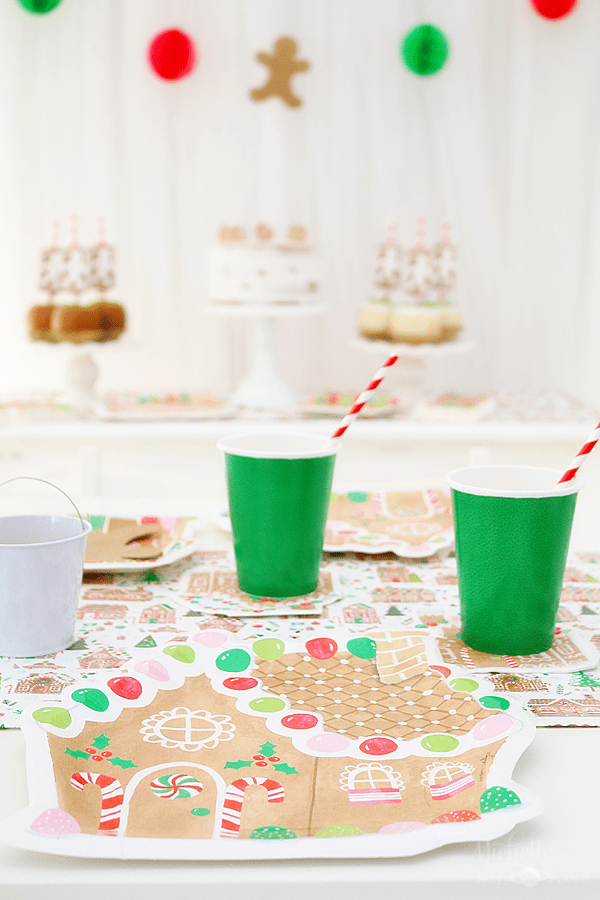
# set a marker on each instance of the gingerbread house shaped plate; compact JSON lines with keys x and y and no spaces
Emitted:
{"x":337,"y":746}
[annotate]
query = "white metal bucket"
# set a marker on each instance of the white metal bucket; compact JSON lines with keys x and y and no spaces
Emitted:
{"x":41,"y":568}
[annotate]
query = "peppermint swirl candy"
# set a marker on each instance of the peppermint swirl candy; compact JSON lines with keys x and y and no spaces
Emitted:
{"x":175,"y":787}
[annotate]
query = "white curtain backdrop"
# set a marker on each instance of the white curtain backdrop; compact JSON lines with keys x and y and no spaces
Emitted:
{"x":503,"y":142}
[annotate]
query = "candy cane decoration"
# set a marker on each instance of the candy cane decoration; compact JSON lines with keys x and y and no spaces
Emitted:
{"x":112,"y":799}
{"x":234,"y":797}
{"x":587,"y":448}
{"x":434,"y":502}
{"x":362,"y":398}
{"x":510,"y":660}
{"x":466,"y":658}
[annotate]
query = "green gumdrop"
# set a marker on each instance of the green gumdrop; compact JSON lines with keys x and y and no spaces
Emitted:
{"x":235,"y":660}
{"x":268,"y":648}
{"x":53,"y":715}
{"x":498,"y":797}
{"x":180,"y":652}
{"x":363,"y":647}
{"x":464,"y":684}
{"x":358,"y":496}
{"x":97,"y":522}
{"x":267,"y":704}
{"x":493,"y":702}
{"x":439,"y":743}
{"x":92,"y":698}
{"x":339,"y":831}
{"x":272,"y":832}
{"x":200,"y":811}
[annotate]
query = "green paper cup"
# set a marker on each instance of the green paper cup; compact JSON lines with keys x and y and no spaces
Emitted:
{"x":279,"y":485}
{"x":512,"y":527}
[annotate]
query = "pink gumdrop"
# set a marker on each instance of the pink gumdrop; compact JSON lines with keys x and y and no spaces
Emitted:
{"x":492,"y":727}
{"x":321,"y":648}
{"x":328,"y":743}
{"x":168,"y":522}
{"x":210,"y":638}
{"x":55,"y":821}
{"x":401,"y":827}
{"x":153,"y":669}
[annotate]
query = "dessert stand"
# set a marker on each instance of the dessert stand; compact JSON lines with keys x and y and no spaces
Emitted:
{"x":418,"y":274}
{"x":263,"y":390}
{"x":410,"y":370}
{"x":75,"y":271}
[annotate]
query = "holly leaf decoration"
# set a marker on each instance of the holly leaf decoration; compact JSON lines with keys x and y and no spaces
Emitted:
{"x":101,"y":742}
{"x":78,"y":754}
{"x":268,"y":749}
{"x":239,"y":764}
{"x":287,"y":770}
{"x":122,"y":763}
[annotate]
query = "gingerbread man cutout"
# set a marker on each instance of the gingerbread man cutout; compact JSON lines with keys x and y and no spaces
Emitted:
{"x":283,"y":64}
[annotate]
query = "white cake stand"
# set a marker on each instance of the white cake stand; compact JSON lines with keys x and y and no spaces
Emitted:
{"x":411,"y":368}
{"x":263,"y":390}
{"x":81,"y":375}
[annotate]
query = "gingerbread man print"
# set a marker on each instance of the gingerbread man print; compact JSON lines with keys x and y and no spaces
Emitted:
{"x":282,"y":64}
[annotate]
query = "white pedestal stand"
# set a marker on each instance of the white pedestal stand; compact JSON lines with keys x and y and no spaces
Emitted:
{"x":410,"y":371}
{"x":81,"y":375}
{"x":263,"y":390}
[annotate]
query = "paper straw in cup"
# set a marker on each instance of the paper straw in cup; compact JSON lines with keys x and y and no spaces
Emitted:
{"x":587,"y":448}
{"x":362,"y":398}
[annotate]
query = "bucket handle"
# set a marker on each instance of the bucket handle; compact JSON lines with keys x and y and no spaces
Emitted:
{"x":43,"y":481}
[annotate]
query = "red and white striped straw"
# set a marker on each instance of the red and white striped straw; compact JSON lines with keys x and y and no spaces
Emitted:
{"x":587,"y":448}
{"x":362,"y":398}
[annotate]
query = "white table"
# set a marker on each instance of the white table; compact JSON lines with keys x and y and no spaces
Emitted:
{"x":556,"y":853}
{"x":174,"y":459}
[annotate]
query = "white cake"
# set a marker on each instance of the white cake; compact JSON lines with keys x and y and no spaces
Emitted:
{"x":263,"y":270}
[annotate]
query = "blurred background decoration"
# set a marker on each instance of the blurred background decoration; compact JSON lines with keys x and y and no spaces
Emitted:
{"x":483,"y":115}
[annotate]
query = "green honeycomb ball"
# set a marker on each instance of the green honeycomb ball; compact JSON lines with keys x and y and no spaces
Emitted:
{"x":425,"y":50}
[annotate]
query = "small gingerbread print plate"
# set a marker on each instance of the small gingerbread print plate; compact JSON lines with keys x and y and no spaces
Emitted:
{"x":412,"y":524}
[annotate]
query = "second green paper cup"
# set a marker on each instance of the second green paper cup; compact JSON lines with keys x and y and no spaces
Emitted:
{"x":279,"y":485}
{"x":512,"y":526}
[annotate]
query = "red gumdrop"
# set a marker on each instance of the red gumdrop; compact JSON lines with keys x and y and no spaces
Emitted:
{"x":125,"y":686}
{"x":299,"y":721}
{"x":443,"y":670}
{"x":321,"y":648}
{"x":378,"y":746}
{"x":239,"y":683}
{"x":457,"y":815}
